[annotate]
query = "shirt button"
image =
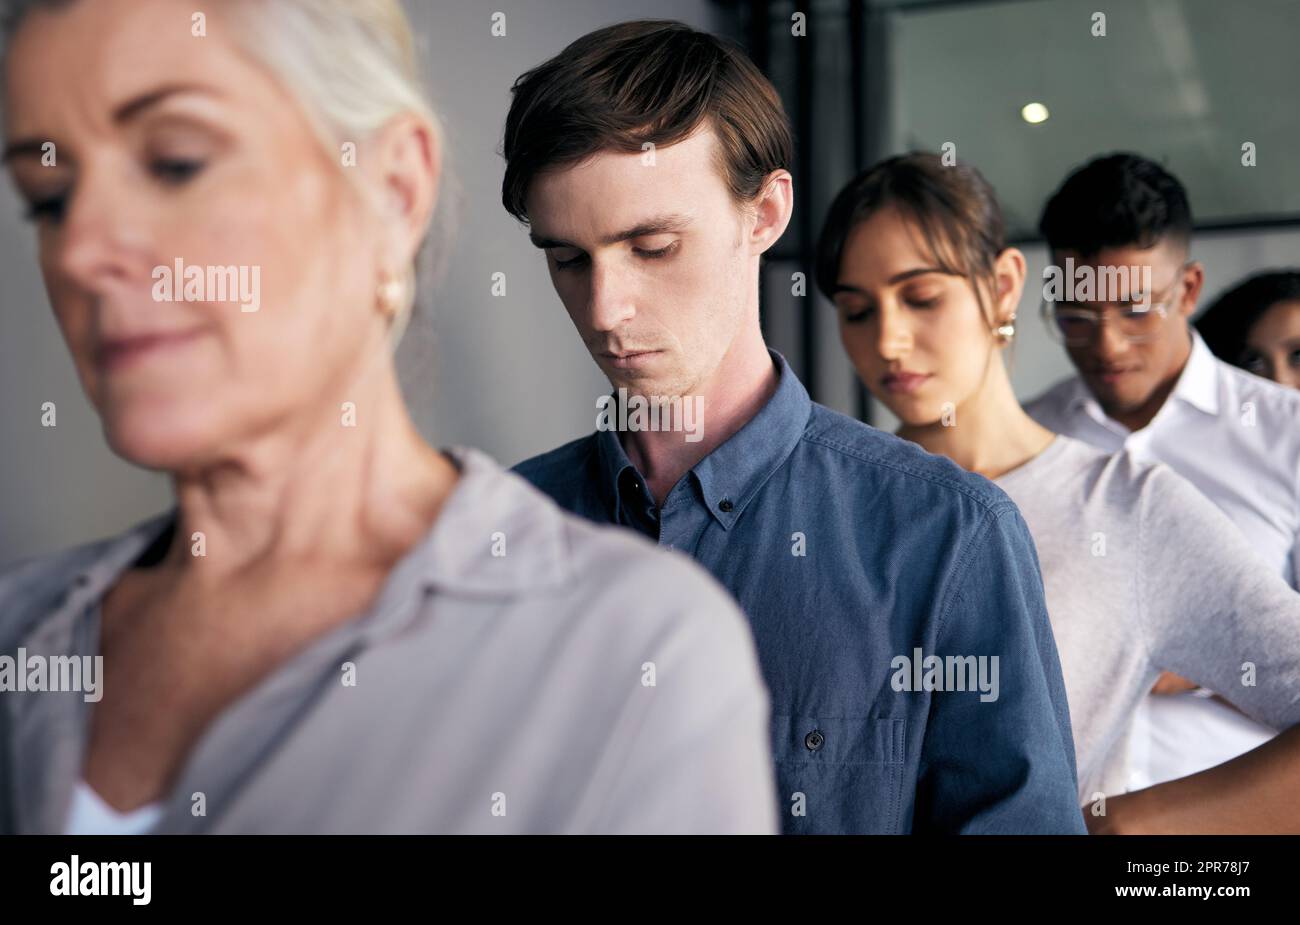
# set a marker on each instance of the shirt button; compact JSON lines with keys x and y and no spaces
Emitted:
{"x":725,"y":505}
{"x":813,"y":740}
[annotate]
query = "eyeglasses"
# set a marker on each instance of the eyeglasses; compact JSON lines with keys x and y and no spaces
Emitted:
{"x":1076,"y":326}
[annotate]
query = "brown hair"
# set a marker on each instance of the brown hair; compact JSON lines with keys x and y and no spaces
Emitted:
{"x":954,"y":208}
{"x":637,"y":82}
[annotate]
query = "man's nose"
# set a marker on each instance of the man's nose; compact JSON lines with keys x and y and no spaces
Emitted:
{"x":1108,"y":341}
{"x":610,"y":300}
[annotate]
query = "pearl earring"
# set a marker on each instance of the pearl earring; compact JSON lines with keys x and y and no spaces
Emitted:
{"x":390,"y":297}
{"x":1007,"y":331}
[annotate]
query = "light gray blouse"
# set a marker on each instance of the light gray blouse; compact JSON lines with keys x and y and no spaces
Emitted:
{"x":1145,"y":574}
{"x":520,"y":671}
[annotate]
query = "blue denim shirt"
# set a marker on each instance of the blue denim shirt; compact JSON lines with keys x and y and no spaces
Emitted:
{"x":850,"y":550}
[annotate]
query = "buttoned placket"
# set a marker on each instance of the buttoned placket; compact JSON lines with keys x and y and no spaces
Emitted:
{"x":46,"y":766}
{"x":239,"y":739}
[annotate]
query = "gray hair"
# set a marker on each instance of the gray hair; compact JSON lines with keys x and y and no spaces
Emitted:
{"x":351,"y":64}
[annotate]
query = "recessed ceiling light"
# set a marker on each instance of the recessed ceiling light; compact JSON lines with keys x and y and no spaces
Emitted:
{"x":1033,"y":113}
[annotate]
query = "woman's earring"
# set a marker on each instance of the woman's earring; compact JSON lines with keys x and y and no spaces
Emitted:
{"x":390,"y":298}
{"x":1006,"y":332}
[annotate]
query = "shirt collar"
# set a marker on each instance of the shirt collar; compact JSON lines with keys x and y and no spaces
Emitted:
{"x":489,"y":513}
{"x":611,"y":463}
{"x":1198,"y":384}
{"x":732,"y":474}
{"x":466,"y":550}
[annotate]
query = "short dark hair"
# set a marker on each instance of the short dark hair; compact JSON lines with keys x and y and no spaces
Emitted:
{"x":651,"y":81}
{"x":1226,"y":324}
{"x":953,"y":206}
{"x":1120,"y":200}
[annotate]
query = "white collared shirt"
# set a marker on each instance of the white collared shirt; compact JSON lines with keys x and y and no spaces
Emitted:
{"x":1236,"y":437}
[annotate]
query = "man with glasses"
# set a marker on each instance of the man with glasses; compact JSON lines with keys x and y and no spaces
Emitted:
{"x":1138,"y":314}
{"x":1148,"y":384}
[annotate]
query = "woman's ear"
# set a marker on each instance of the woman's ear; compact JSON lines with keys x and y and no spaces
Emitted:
{"x":772,"y":211}
{"x":1009,"y":277}
{"x":406,"y":164}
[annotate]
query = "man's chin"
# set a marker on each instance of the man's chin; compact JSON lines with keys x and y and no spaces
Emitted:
{"x":1115,"y":401}
{"x":649,"y":389}
{"x":641,"y":381}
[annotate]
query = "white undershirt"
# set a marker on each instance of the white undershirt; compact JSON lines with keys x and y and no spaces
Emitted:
{"x":90,"y":815}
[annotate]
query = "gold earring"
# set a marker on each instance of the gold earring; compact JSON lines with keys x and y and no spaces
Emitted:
{"x":390,"y":297}
{"x":1006,"y":332}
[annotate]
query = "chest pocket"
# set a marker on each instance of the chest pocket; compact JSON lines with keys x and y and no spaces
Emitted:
{"x":839,"y":774}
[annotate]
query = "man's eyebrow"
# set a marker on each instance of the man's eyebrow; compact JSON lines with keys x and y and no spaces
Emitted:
{"x":123,"y":113}
{"x":660,"y":224}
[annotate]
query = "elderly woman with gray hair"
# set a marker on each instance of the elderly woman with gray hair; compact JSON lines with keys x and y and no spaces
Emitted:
{"x":338,"y":628}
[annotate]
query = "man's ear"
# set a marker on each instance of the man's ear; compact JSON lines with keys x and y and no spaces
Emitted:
{"x":406,"y":165}
{"x":772,"y":210}
{"x":1192,"y":294}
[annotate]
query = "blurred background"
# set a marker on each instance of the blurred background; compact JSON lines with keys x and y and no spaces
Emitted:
{"x":1022,"y":89}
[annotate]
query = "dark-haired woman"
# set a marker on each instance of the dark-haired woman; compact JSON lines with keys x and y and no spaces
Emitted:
{"x":1256,"y":325}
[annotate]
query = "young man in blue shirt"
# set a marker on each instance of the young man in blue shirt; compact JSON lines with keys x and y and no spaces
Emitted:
{"x":895,"y":599}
